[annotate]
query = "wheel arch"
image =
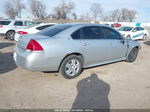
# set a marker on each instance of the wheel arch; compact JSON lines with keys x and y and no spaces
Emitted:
{"x":69,"y":54}
{"x":10,"y":30}
{"x":138,"y":47}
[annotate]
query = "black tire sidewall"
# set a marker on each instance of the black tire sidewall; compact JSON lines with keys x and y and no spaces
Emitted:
{"x":63,"y":64}
{"x":8,"y":36}
{"x":131,"y":59}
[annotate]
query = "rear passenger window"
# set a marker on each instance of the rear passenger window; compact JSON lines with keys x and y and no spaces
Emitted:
{"x":5,"y":22}
{"x":18,"y":23}
{"x":43,"y":27}
{"x":92,"y":32}
{"x":76,"y":34}
{"x":110,"y":33}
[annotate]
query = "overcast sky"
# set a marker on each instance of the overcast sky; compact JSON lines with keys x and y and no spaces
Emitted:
{"x":82,"y":6}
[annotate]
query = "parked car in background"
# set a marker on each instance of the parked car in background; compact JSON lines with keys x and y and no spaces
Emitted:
{"x":134,"y":33}
{"x":9,"y":27}
{"x":32,"y":29}
{"x":68,"y":48}
{"x":116,"y":25}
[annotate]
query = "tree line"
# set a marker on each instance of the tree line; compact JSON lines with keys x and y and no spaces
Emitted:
{"x":13,"y":9}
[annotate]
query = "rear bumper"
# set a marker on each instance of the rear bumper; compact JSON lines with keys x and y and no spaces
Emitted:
{"x":35,"y":61}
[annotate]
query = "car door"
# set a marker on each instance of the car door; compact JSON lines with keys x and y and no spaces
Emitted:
{"x":141,"y":32}
{"x":137,"y":33}
{"x":93,"y":45}
{"x":116,"y":46}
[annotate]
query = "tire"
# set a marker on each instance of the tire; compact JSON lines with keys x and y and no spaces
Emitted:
{"x":144,"y":37}
{"x":68,"y":68}
{"x":10,"y":35}
{"x":132,"y":55}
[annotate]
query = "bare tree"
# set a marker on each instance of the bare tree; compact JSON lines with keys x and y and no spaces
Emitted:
{"x":87,"y":16}
{"x":121,"y":15}
{"x":37,"y":8}
{"x":132,"y":15}
{"x":19,"y":7}
{"x":13,"y":8}
{"x":74,"y":15}
{"x":115,"y":15}
{"x":63,"y":9}
{"x":96,"y":10}
{"x":127,"y":15}
{"x":105,"y":17}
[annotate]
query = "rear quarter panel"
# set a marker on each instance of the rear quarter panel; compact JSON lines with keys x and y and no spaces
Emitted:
{"x":58,"y":49}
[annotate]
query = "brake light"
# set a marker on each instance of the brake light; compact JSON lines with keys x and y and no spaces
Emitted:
{"x":33,"y":45}
{"x":22,"y":32}
{"x":1,"y":26}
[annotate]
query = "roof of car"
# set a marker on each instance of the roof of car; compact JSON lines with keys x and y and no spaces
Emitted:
{"x":16,"y":20}
{"x":83,"y":24}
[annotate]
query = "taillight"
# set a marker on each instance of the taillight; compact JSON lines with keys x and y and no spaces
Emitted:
{"x":22,"y":32}
{"x":1,"y":26}
{"x":33,"y":45}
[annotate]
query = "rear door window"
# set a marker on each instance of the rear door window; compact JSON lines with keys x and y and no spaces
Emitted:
{"x":91,"y":32}
{"x":18,"y":23}
{"x":52,"y":31}
{"x":5,"y":22}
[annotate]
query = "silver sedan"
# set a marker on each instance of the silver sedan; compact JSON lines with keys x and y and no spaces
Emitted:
{"x":69,"y":48}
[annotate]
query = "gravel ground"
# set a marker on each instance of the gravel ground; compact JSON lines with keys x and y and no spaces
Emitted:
{"x":119,"y":85}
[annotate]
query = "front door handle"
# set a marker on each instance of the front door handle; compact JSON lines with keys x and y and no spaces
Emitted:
{"x":110,"y":43}
{"x":84,"y":44}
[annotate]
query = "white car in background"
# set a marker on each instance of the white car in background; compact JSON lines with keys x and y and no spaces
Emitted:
{"x":8,"y":27}
{"x":134,"y":33}
{"x":32,"y":29}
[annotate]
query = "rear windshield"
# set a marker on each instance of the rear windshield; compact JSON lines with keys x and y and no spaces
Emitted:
{"x":4,"y":22}
{"x":52,"y":31}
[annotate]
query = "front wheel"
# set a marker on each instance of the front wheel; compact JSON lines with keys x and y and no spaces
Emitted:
{"x":71,"y":67}
{"x":132,"y":55}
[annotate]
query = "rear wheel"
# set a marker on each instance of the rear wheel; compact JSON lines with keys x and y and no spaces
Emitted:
{"x":71,"y":67}
{"x":132,"y":55}
{"x":10,"y":35}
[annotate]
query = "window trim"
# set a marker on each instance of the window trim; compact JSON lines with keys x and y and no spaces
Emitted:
{"x":20,"y":22}
{"x":74,"y":32}
{"x":121,"y":38}
{"x":91,"y":38}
